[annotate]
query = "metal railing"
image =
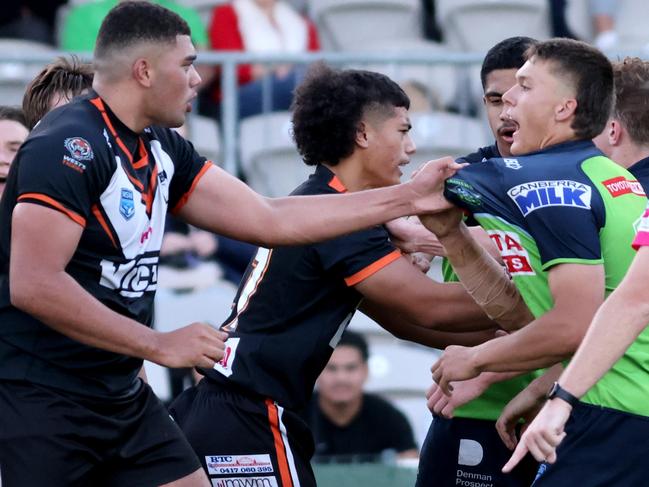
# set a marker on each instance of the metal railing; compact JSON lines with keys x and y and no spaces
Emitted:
{"x":228,"y":61}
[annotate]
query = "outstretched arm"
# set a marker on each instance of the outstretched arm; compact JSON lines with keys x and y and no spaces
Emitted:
{"x":225,"y":205}
{"x":405,"y":293}
{"x":577,"y":290}
{"x":405,"y":330}
{"x":482,"y":276}
{"x":622,"y":317}
{"x":410,"y":235}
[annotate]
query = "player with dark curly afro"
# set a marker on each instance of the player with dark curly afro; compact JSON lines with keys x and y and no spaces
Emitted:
{"x":330,"y":104}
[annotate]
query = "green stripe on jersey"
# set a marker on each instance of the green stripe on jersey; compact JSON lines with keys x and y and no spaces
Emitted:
{"x":626,"y":386}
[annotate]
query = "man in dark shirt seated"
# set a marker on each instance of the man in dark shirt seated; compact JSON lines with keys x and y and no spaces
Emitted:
{"x":348,"y":424}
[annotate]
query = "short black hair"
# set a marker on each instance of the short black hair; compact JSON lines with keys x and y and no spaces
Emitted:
{"x":329,"y":105}
{"x":591,"y":75}
{"x":507,"y":54}
{"x":132,"y":22}
{"x":354,"y":340}
{"x":15,"y":114}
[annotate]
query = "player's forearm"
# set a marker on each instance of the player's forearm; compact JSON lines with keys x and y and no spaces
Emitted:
{"x":439,"y":339}
{"x":542,"y":343}
{"x":622,"y":317}
{"x":411,"y":237}
{"x":482,"y":237}
{"x":60,"y":302}
{"x":401,"y":327}
{"x":540,"y":386}
{"x":316,"y":218}
{"x":448,"y":307}
{"x":485,"y":280}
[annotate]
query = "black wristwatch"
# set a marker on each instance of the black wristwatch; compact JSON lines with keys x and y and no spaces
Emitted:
{"x":557,"y":391}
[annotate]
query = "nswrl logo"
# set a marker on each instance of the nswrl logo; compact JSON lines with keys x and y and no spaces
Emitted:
{"x":540,"y":194}
{"x":126,"y":204}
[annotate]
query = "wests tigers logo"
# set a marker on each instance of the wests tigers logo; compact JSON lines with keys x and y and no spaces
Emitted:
{"x":79,"y":148}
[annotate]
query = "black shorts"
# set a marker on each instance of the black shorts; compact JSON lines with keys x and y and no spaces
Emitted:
{"x":244,"y":440}
{"x":51,"y":438}
{"x":468,"y":452}
{"x":602,"y":447}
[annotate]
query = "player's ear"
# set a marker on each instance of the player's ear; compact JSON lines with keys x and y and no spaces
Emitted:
{"x":565,"y":109}
{"x":362,"y":138}
{"x":614,"y":131}
{"x":141,"y":70}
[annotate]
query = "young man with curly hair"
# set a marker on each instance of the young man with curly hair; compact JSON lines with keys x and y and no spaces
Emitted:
{"x":294,"y":302}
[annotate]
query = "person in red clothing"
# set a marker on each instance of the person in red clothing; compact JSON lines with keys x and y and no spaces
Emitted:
{"x":262,"y":26}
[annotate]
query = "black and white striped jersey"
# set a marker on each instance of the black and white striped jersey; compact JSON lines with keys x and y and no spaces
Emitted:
{"x":117,"y":184}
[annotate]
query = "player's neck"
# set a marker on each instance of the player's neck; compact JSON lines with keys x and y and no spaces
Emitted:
{"x":560,"y":134}
{"x":341,"y":414}
{"x":123,"y":106}
{"x":626,"y":155}
{"x":350,"y":172}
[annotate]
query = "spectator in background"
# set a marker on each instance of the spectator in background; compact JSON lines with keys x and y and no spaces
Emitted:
{"x":13,"y":132}
{"x":261,"y":26}
{"x":54,"y":86}
{"x":348,"y":424}
{"x":558,"y":23}
{"x":431,"y":28}
{"x":82,"y":23}
{"x":31,"y":20}
{"x":603,"y":14}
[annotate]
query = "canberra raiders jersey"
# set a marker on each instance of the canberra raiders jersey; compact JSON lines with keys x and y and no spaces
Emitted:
{"x":640,"y":171}
{"x":293,"y":304}
{"x":83,"y":162}
{"x":564,"y":204}
{"x":624,"y":386}
{"x":489,"y":404}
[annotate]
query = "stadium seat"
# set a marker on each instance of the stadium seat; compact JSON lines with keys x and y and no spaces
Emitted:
{"x":204,"y":133}
{"x":439,"y":134}
{"x":15,"y":75}
{"x":356,"y":24}
{"x":476,"y":25}
{"x":440,"y":79}
{"x":173,"y":309}
{"x":269,"y":158}
{"x":399,"y":367}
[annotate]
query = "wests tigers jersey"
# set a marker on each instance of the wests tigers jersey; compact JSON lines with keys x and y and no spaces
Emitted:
{"x":116,"y":184}
{"x":294,"y":303}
